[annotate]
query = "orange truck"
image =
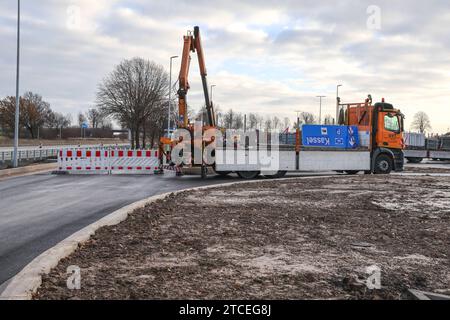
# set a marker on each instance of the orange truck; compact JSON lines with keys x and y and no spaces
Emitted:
{"x":380,"y":132}
{"x":381,"y":128}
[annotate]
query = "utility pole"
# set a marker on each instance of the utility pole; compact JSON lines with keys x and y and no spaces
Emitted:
{"x":245,"y":123}
{"x":338,"y":101}
{"x":16,"y":124}
{"x":297,"y":142}
{"x":298,"y":119}
{"x":170,"y":95}
{"x":320,"y":110}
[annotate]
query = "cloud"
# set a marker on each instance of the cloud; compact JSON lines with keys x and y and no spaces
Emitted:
{"x":265,"y":56}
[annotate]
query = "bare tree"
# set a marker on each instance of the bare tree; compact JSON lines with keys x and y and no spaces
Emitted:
{"x":268,"y":124}
{"x":421,"y":122}
{"x":307,"y":118}
{"x":238,"y":122}
{"x":260,"y":121}
{"x":95,"y":117}
{"x":276,"y":122}
{"x":328,"y":120}
{"x":59,"y":121}
{"x":228,"y":119}
{"x":252,"y":121}
{"x":286,"y":123}
{"x":134,"y":94}
{"x":81,"y":119}
{"x":7,"y":112}
{"x":34,"y":113}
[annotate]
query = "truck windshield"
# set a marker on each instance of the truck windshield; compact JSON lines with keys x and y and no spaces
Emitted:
{"x":391,"y":123}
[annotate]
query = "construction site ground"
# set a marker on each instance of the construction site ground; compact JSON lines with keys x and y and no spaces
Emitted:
{"x":428,"y":166}
{"x":303,"y":238}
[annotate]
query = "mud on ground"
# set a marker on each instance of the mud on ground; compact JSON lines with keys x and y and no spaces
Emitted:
{"x":294,"y":239}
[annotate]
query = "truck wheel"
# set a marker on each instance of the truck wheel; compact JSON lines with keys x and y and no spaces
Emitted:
{"x":204,"y":172}
{"x":383,"y":164}
{"x":351,"y":172}
{"x":278,"y":175}
{"x":248,"y":175}
{"x":414,"y":160}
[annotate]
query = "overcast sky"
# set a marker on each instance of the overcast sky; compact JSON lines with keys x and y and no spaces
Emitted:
{"x":271,"y":57}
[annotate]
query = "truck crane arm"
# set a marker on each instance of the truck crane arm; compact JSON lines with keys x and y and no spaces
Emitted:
{"x":192,"y":43}
{"x":201,"y":61}
{"x":183,"y":80}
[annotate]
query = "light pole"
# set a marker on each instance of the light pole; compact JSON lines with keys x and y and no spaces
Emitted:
{"x":338,"y":101}
{"x":320,"y":110}
{"x":16,"y":124}
{"x":212,"y":86}
{"x":170,"y":95}
{"x":298,"y":119}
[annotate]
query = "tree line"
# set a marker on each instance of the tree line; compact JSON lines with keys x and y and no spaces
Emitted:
{"x":252,"y":121}
{"x":35,"y":113}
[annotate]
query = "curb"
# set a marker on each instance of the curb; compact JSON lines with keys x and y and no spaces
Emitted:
{"x":28,"y":170}
{"x":26,"y":282}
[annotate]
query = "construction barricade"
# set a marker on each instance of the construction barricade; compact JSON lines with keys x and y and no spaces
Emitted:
{"x":108,"y":161}
{"x":134,"y":161}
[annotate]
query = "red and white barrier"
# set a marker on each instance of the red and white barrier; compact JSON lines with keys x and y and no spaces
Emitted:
{"x":108,"y":161}
{"x":134,"y":161}
{"x":84,"y":161}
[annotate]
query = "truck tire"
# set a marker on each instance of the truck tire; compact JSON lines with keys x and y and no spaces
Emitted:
{"x":248,"y":175}
{"x":383,"y":164}
{"x":414,"y":160}
{"x":204,"y":172}
{"x":278,"y":175}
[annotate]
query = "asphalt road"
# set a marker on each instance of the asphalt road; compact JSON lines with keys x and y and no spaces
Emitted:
{"x":37,"y":212}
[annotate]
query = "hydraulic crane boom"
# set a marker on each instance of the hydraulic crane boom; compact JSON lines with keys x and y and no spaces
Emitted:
{"x":201,"y":61}
{"x":193,"y":43}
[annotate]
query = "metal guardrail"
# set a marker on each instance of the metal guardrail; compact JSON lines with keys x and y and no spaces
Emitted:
{"x":35,"y":154}
{"x":39,"y":154}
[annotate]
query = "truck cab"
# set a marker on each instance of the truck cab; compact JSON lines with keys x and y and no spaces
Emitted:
{"x":383,"y":126}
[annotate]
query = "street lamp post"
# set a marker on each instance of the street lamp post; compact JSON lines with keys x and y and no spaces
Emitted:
{"x":337,"y":103}
{"x":16,"y":124}
{"x":170,"y":95}
{"x":320,"y":109}
{"x":298,"y":119}
{"x":297,"y":141}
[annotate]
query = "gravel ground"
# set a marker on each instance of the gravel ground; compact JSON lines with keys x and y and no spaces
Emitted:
{"x":290,"y":239}
{"x":427,"y":169}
